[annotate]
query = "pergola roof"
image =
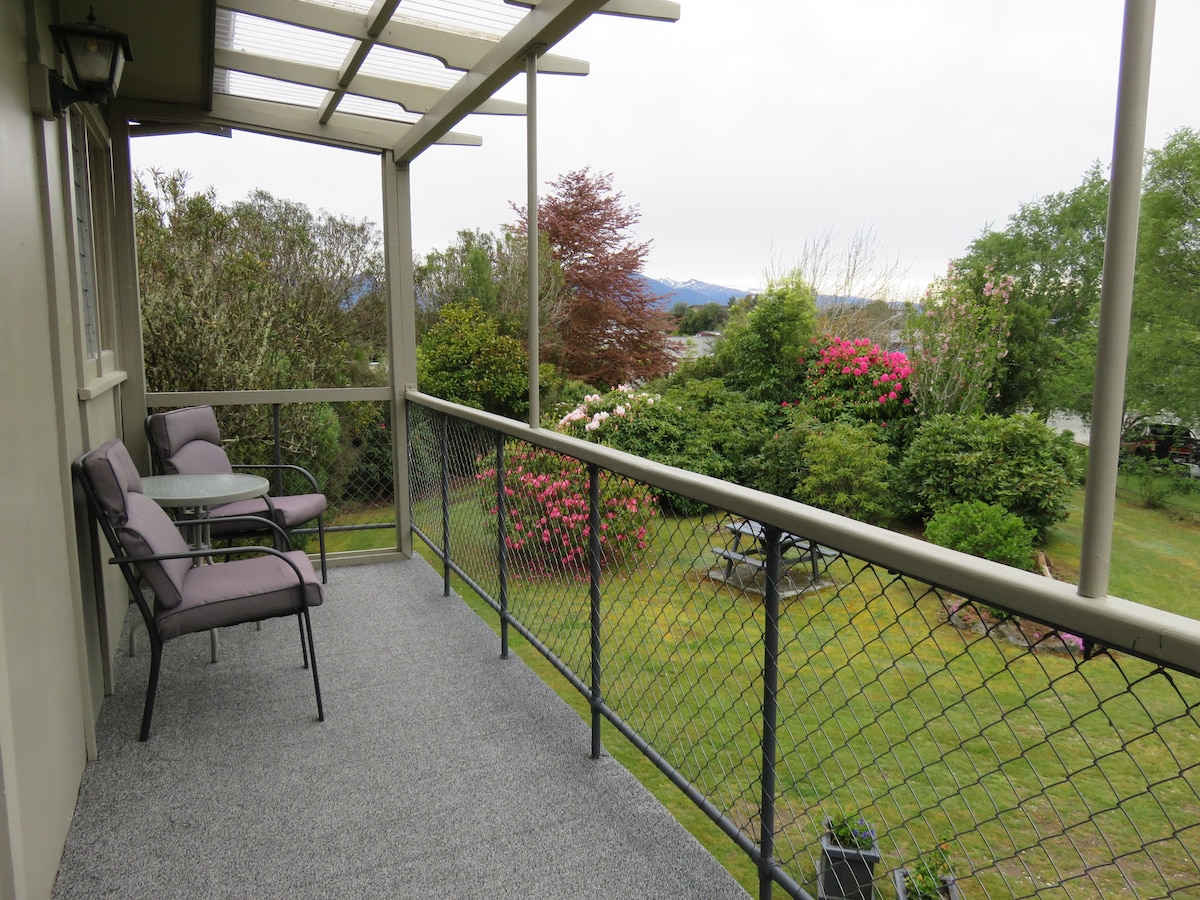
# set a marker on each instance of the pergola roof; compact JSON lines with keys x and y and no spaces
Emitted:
{"x":394,"y":75}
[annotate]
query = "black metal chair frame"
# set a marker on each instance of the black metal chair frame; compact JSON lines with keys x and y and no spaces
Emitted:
{"x":157,"y":467}
{"x":133,"y":578}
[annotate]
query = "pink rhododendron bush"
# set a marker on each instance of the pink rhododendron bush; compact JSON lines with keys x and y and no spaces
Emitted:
{"x":857,"y":378}
{"x":547,"y":527}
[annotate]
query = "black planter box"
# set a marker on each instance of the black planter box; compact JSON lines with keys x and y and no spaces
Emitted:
{"x":845,"y":873}
{"x":949,"y":888}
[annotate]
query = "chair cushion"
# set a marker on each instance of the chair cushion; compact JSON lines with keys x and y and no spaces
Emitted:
{"x":188,"y":441}
{"x":147,"y":531}
{"x":290,"y":511}
{"x":296,"y":509}
{"x":113,"y":475}
{"x":241,"y":590}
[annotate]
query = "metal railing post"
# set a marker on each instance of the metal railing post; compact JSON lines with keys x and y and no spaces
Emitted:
{"x":596,"y":697}
{"x":502,"y":543}
{"x":278,"y":447}
{"x":770,"y":712}
{"x":444,"y":452}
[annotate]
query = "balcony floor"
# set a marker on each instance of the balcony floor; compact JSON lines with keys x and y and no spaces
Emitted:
{"x":440,"y":771}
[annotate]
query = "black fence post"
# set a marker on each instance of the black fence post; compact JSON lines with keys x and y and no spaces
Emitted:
{"x":444,"y":442}
{"x":596,"y":697}
{"x":278,"y":447}
{"x":502,"y":543}
{"x":770,"y":714}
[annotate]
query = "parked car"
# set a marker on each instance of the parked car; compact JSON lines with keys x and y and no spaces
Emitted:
{"x":1163,"y":441}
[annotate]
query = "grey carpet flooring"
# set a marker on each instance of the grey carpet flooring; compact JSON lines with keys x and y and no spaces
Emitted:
{"x":440,"y":771}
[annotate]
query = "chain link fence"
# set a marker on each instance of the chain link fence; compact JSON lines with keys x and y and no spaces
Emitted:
{"x":784,"y":684}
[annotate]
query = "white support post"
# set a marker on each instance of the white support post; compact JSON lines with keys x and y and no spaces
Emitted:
{"x":402,"y":330}
{"x":532,"y":241}
{"x":1116,"y":297}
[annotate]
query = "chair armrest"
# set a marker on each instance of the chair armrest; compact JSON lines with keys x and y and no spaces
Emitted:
{"x":282,"y":466}
{"x":259,"y":522}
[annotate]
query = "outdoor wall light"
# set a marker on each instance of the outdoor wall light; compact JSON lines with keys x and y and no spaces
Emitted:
{"x":96,"y":56}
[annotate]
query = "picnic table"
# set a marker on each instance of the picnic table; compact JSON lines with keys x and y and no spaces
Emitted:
{"x":750,"y":548}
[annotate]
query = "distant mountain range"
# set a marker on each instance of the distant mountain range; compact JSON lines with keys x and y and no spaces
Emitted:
{"x":697,"y":293}
{"x":692,"y":292}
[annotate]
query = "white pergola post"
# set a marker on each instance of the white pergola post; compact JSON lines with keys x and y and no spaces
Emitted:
{"x":402,"y":329}
{"x":532,"y":242}
{"x":1116,"y":297}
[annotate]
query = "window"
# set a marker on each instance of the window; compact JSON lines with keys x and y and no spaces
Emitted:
{"x":95,"y":285}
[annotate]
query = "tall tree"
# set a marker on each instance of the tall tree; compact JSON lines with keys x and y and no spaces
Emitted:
{"x":767,"y":339}
{"x":610,"y":330}
{"x":1164,"y":363}
{"x":256,"y":294}
{"x":1053,"y":249}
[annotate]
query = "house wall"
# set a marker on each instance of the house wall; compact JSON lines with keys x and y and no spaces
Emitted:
{"x":51,"y":662}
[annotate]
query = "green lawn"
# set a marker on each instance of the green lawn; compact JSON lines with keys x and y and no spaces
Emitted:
{"x":885,"y":709}
{"x":1155,"y":553}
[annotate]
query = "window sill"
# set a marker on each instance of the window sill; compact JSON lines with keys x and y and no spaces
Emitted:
{"x":102,"y":385}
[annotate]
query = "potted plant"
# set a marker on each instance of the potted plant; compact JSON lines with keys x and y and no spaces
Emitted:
{"x":929,"y":878}
{"x":849,"y":853}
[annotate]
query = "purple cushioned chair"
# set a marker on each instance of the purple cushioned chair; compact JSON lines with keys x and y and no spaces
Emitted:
{"x":267,"y":583}
{"x":188,"y":442}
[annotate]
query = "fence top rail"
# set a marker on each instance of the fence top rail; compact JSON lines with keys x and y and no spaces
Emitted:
{"x":164,"y":399}
{"x":1144,"y":631}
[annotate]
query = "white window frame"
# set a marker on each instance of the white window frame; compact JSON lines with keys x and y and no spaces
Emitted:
{"x":93,"y":262}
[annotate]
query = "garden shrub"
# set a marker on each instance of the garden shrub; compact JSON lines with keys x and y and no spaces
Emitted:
{"x":367,"y":451}
{"x":780,"y":464}
{"x":847,"y":471}
{"x":1018,"y":463}
{"x":701,"y":427}
{"x":859,"y":379}
{"x":761,"y":352}
{"x":465,"y":359}
{"x":1157,"y":480}
{"x":984,"y":530}
{"x":546,"y":499}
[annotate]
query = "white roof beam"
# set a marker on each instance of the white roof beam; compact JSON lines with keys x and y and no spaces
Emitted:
{"x":455,"y":50}
{"x":544,"y":26}
{"x":377,"y":18}
{"x":661,"y":10}
{"x":281,"y":120}
{"x":416,"y":98}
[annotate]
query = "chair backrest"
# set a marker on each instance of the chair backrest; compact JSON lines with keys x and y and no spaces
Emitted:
{"x":133,"y":523}
{"x":186,"y":442}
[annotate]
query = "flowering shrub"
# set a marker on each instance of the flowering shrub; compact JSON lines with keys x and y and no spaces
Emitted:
{"x":959,"y":339}
{"x":546,"y":501}
{"x":599,"y":414}
{"x":859,"y":379}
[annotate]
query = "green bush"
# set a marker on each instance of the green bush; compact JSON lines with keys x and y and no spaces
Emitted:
{"x":847,"y":472}
{"x":701,"y":427}
{"x":984,"y":530}
{"x":1157,"y":480}
{"x":1018,"y":463}
{"x":465,"y":359}
{"x":779,"y":465}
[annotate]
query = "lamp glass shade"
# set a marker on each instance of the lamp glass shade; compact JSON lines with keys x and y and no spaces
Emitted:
{"x":96,"y":56}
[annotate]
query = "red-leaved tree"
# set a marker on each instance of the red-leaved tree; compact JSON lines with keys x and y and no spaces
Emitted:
{"x":612,"y":330}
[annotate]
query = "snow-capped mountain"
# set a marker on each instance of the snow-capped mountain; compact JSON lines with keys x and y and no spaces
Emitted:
{"x":692,"y":292}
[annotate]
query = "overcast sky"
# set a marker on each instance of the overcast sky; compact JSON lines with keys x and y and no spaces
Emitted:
{"x":747,"y":128}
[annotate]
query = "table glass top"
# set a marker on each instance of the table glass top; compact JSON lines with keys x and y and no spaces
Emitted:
{"x":203,"y":490}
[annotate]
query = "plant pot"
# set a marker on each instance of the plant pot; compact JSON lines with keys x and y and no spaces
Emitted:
{"x":900,"y":880}
{"x":845,"y":873}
